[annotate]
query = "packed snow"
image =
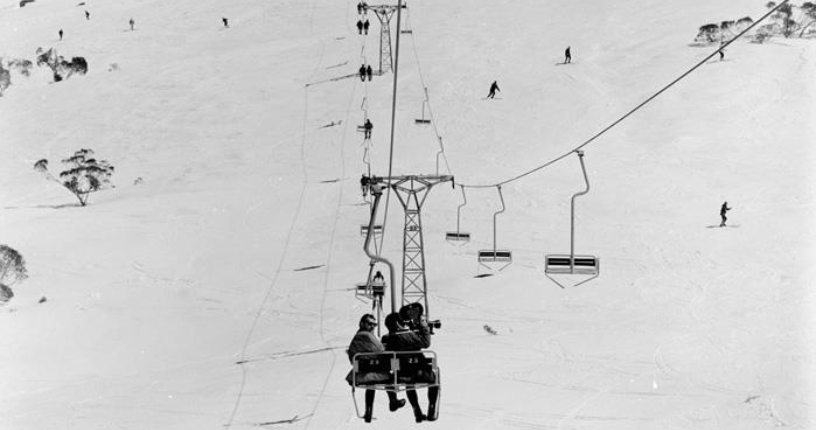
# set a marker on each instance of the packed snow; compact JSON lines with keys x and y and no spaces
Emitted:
{"x":213,"y":286}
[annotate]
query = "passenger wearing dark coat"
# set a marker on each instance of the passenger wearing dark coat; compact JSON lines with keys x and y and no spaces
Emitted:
{"x":365,"y":341}
{"x":401,"y":339}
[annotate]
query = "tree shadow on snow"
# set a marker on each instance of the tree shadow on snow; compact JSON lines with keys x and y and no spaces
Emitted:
{"x":64,"y":205}
{"x":727,"y":226}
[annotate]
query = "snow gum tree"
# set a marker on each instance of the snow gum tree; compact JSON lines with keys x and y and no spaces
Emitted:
{"x":83,"y":174}
{"x":12,"y":271}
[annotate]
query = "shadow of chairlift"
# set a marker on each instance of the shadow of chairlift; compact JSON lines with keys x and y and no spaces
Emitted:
{"x":495,"y":260}
{"x":458,"y":237}
{"x":571,"y":264}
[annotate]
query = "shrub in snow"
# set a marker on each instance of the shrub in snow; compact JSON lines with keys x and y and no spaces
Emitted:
{"x":59,"y":66}
{"x":21,"y":65}
{"x":24,"y":2}
{"x":5,"y":79}
{"x":12,"y":271}
{"x":83,"y":175}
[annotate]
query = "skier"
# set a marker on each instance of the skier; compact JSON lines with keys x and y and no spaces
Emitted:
{"x":365,"y":341}
{"x":363,"y":72}
{"x":367,"y":128}
{"x":87,"y":15}
{"x":721,"y":51}
{"x":359,"y":27}
{"x":369,"y":72}
{"x":400,"y":339}
{"x":723,"y":210}
{"x":226,"y":22}
{"x":366,"y":24}
{"x":60,"y":33}
{"x":567,"y":56}
{"x":493,"y":88}
{"x":378,"y":277}
{"x":132,"y":23}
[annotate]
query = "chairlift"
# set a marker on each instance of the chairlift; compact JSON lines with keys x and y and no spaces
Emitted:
{"x":407,"y":29}
{"x":399,"y":371}
{"x":458,"y":236}
{"x":498,"y":257}
{"x":423,"y":120}
{"x":572,"y":264}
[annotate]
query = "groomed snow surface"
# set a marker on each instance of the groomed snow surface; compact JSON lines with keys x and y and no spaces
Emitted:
{"x":159,"y":286}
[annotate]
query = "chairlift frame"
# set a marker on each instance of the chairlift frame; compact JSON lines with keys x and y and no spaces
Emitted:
{"x":494,"y":255}
{"x":394,"y":362}
{"x":458,"y":235}
{"x":572,"y":264}
{"x":423,"y":120}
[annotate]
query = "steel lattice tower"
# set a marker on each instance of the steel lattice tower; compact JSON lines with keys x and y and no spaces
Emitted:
{"x":384,"y":14}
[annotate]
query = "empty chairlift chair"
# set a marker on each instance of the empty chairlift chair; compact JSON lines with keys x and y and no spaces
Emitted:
{"x":493,"y":258}
{"x":423,"y":120}
{"x":572,"y":264}
{"x":458,"y":236}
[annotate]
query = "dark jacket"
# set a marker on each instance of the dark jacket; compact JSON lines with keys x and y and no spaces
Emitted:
{"x":408,"y":340}
{"x":365,"y":341}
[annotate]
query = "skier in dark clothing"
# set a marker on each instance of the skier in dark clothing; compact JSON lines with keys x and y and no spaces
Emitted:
{"x":360,"y":8}
{"x":723,"y":210}
{"x":721,"y":51}
{"x":369,"y":72}
{"x":359,"y":27}
{"x":567,"y":56}
{"x":132,"y":23}
{"x":367,"y":128}
{"x":493,"y":88}
{"x":401,"y":339}
{"x":60,"y":33}
{"x":366,"y":24}
{"x":226,"y":22}
{"x":363,"y":72}
{"x":87,"y":15}
{"x":365,"y":341}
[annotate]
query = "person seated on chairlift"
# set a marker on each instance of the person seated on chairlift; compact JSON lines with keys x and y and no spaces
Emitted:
{"x":365,"y":341}
{"x":401,"y":339}
{"x":378,"y":278}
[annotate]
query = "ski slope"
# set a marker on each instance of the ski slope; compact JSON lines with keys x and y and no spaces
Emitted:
{"x":232,"y":233}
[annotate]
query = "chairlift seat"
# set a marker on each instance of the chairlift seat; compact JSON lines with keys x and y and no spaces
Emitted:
{"x":582,"y":264}
{"x":422,"y":121}
{"x":400,"y":366}
{"x":499,"y":256}
{"x":364,"y":229}
{"x":455,"y":236}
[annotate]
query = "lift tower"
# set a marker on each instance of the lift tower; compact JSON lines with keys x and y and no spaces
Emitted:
{"x":412,"y":190}
{"x":384,"y":14}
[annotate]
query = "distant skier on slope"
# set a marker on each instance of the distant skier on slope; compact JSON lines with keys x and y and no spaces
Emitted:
{"x":493,"y":88}
{"x":226,"y":22}
{"x":60,"y":33}
{"x":723,"y":210}
{"x":721,"y":51}
{"x":365,"y":341}
{"x":567,"y":56}
{"x":87,"y":15}
{"x":132,"y":23}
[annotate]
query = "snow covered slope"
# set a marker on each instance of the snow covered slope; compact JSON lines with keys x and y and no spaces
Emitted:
{"x":233,"y":231}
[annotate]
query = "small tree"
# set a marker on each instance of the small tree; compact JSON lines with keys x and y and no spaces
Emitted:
{"x":83,"y":175}
{"x":12,"y":271}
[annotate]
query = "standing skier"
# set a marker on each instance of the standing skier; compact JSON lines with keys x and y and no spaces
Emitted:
{"x":493,"y":88}
{"x":60,"y":33}
{"x":567,"y":56}
{"x":226,"y":22}
{"x":87,"y":15}
{"x":721,"y":51}
{"x":723,"y":210}
{"x":132,"y":23}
